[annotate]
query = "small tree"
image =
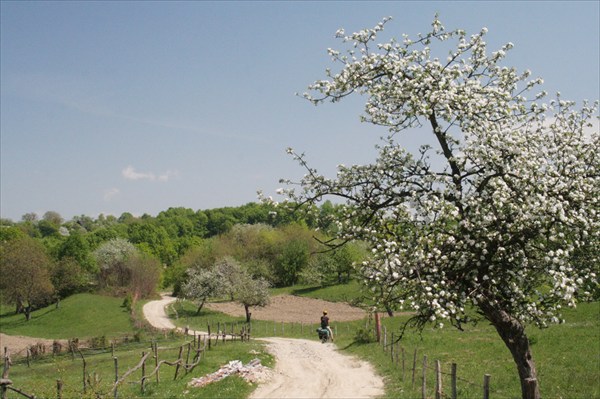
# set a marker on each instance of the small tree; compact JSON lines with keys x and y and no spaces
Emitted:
{"x":200,"y":285}
{"x":494,"y":218}
{"x":251,"y":293}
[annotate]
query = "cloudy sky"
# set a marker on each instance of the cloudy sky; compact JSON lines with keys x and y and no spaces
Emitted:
{"x":112,"y":107}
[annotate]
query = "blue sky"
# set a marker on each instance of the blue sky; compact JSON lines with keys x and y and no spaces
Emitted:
{"x":112,"y":107}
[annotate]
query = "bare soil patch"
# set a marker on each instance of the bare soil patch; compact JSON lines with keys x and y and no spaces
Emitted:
{"x":17,"y":344}
{"x":289,"y":308}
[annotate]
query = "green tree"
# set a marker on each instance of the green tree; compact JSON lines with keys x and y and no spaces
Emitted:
{"x":24,"y":267}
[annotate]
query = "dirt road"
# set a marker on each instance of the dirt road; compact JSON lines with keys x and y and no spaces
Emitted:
{"x":310,"y":369}
{"x":304,"y":368}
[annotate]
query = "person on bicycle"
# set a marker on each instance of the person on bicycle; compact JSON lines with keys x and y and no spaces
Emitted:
{"x":325,"y":324}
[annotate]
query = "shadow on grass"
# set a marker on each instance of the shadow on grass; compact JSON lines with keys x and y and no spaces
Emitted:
{"x":20,"y":320}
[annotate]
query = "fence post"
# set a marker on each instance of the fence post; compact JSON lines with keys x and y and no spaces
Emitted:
{"x":5,"y":373}
{"x":155,"y":349}
{"x":414,"y":368}
{"x":403,"y":363}
{"x":179,"y":360}
{"x":59,"y":385}
{"x":116,"y":377}
{"x":84,"y":371}
{"x":392,"y":348}
{"x":424,"y":385}
{"x":438,"y":380}
{"x":453,"y":380}
{"x":209,"y":337}
{"x":384,"y":339}
{"x":143,"y":371}
{"x":187,"y":358}
{"x":28,"y":357}
{"x":486,"y":386}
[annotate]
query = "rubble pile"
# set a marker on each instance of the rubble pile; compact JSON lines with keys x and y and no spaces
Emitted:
{"x":253,"y":372}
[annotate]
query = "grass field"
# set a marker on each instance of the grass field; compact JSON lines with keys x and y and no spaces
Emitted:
{"x":80,"y":315}
{"x":567,"y":356}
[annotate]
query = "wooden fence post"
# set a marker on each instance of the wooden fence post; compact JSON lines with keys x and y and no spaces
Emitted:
{"x":209,"y":337}
{"x":5,"y":373}
{"x":59,"y":385}
{"x":438,"y":380}
{"x":486,"y":386}
{"x":116,"y":376}
{"x":384,"y":339}
{"x":414,"y":368}
{"x":424,"y":385}
{"x":156,"y":361}
{"x":84,"y":371}
{"x":143,"y":372}
{"x":187,"y":358}
{"x":403,"y":363}
{"x":392,"y":348}
{"x":453,"y":380}
{"x":179,"y":360}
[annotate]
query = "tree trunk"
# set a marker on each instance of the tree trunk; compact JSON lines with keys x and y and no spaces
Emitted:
{"x":200,"y":306}
{"x":389,"y":310}
{"x":513,"y":334}
{"x":248,"y":314}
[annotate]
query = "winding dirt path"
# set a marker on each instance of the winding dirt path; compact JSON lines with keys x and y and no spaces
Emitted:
{"x":310,"y":369}
{"x":304,"y":369}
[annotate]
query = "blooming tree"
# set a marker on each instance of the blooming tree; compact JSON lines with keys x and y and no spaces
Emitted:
{"x":491,"y":217}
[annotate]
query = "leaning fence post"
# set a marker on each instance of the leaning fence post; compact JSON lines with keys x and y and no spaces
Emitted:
{"x":424,"y":386}
{"x":438,"y":380}
{"x":486,"y":386}
{"x":179,"y":360}
{"x":143,"y":371}
{"x":453,"y":380}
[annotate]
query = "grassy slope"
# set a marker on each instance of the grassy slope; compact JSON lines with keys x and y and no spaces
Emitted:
{"x":81,"y":316}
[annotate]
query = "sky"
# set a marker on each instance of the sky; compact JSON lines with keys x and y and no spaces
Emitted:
{"x":113,"y":107}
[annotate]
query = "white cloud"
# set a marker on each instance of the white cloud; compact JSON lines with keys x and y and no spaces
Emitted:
{"x":130,"y":173}
{"x":111,"y":193}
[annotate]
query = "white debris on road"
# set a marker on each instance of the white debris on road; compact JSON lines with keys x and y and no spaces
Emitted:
{"x":253,"y":372}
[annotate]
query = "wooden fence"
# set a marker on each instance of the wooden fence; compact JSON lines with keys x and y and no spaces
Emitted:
{"x":399,"y":357}
{"x":150,"y":365}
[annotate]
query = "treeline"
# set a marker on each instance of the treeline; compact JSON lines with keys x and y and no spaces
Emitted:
{"x":47,"y":258}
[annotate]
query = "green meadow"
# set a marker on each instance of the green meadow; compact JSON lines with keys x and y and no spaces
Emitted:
{"x":567,"y":356}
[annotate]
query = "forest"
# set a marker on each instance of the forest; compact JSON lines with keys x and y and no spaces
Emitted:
{"x":45,"y":259}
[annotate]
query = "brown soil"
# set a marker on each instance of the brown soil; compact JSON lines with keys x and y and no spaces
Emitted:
{"x":17,"y":344}
{"x":290,"y":308}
